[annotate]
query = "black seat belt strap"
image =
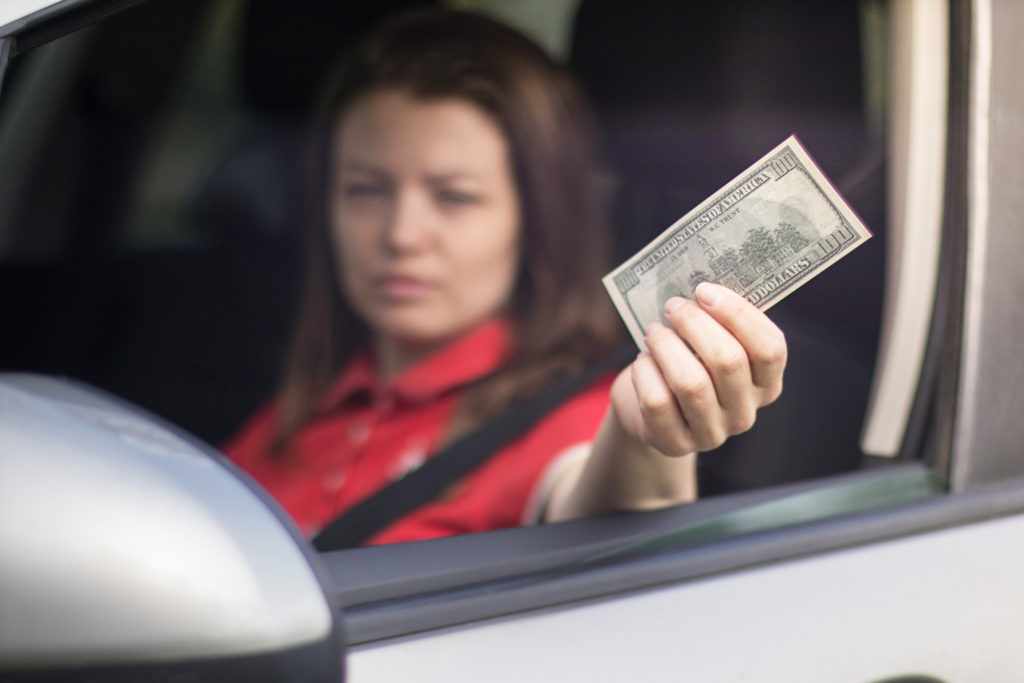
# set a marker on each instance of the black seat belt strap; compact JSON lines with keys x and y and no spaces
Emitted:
{"x":455,"y":461}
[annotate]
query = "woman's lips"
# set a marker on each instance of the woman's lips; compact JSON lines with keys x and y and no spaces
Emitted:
{"x":403,"y":287}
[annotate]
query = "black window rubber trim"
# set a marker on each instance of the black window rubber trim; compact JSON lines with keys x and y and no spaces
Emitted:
{"x":464,"y":579}
{"x":6,"y":48}
{"x":59,"y":19}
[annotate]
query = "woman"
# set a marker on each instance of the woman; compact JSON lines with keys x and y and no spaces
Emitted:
{"x":455,"y":271}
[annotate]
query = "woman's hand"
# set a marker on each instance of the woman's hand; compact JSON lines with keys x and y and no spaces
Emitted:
{"x":674,"y":401}
{"x":680,"y":401}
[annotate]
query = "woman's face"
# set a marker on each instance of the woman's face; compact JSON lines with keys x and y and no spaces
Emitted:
{"x":424,"y":216}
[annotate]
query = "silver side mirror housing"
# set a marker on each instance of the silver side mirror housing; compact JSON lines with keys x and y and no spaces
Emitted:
{"x":129,"y":547}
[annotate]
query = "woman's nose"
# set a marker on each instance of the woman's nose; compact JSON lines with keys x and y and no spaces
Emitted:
{"x":408,"y":223}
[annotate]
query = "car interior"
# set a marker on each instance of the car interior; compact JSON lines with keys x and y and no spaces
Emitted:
{"x":159,"y":209}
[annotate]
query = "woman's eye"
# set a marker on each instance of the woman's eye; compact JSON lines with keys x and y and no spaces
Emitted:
{"x":363,"y":190}
{"x":457,"y":198}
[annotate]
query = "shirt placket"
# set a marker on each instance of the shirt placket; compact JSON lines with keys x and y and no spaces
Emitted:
{"x":356,"y":436}
{"x":414,"y":445}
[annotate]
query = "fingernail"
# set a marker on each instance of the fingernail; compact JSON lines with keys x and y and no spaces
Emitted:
{"x":673,"y":303}
{"x":652,"y":328}
{"x":708,"y":294}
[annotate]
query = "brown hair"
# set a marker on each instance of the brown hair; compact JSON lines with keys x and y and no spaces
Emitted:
{"x":561,"y":320}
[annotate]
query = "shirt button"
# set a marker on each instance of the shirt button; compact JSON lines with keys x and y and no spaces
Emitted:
{"x":334,"y":480}
{"x":358,"y":433}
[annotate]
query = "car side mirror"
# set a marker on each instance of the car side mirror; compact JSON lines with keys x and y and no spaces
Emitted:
{"x":129,"y":550}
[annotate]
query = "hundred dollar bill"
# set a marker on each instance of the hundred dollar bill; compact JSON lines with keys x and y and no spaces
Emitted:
{"x":773,"y":228}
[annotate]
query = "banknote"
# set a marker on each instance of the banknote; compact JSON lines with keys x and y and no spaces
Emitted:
{"x":766,"y":233}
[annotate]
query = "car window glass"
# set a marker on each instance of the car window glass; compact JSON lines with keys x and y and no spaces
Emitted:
{"x":154,"y":182}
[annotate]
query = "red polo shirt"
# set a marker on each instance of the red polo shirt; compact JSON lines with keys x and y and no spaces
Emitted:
{"x":368,"y":434}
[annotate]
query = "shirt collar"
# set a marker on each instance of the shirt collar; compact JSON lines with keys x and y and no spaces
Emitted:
{"x":470,"y":357}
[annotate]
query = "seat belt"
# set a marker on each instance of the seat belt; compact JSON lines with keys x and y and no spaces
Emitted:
{"x":455,"y":461}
